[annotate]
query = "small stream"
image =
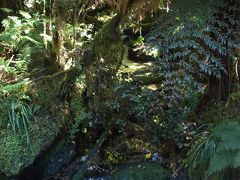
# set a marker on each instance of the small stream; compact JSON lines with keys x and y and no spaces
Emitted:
{"x":64,"y":163}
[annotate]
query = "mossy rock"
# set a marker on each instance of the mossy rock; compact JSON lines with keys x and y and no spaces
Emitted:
{"x":149,"y":78}
{"x":59,"y":154}
{"x":141,"y":171}
{"x":52,"y":118}
{"x":11,"y":151}
{"x":135,"y":144}
{"x":15,"y":154}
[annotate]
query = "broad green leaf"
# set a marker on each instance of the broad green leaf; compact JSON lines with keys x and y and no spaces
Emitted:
{"x":25,"y":14}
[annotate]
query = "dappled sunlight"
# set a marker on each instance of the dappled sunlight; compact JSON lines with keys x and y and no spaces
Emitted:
{"x":119,"y":89}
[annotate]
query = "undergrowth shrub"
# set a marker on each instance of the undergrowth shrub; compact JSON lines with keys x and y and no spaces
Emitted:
{"x":172,"y":125}
{"x":79,"y":115}
{"x":20,"y":40}
{"x":203,"y":148}
{"x":133,"y":102}
{"x":8,"y":94}
{"x":176,"y":124}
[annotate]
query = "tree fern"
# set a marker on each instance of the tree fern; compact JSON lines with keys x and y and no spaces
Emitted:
{"x":228,"y":149}
{"x":223,"y":160}
{"x":192,"y":43}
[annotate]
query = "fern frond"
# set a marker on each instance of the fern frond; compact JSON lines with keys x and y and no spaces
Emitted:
{"x":195,"y":41}
{"x":229,"y":135}
{"x":228,"y":148}
{"x":224,"y":159}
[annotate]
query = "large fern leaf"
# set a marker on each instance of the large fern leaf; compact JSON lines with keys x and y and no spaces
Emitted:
{"x":224,"y":159}
{"x":192,"y":43}
{"x":228,"y":149}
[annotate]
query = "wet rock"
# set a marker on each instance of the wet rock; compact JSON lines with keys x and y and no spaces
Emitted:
{"x":49,"y":163}
{"x":141,"y":171}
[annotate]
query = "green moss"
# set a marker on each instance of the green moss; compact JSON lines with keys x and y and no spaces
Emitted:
{"x":139,"y":144}
{"x":115,"y":157}
{"x":12,"y":149}
{"x":15,"y":154}
{"x":103,"y":38}
{"x":107,"y":44}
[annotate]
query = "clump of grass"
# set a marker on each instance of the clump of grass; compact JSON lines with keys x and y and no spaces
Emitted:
{"x":20,"y":116}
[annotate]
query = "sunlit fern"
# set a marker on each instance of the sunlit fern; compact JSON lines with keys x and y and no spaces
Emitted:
{"x":21,"y":39}
{"x":192,"y":42}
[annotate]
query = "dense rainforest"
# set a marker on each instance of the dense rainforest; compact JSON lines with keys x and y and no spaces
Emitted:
{"x":119,"y":89}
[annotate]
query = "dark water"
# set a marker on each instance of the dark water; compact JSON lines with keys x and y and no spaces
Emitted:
{"x":50,"y":162}
{"x":48,"y":170}
{"x":61,"y":161}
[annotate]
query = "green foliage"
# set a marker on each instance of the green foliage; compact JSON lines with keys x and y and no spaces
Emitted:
{"x":79,"y":115}
{"x":115,"y":158}
{"x":214,"y":154}
{"x":8,"y":94}
{"x":5,"y":70}
{"x":133,"y":100}
{"x":13,"y":87}
{"x":140,"y":40}
{"x":11,"y":151}
{"x":192,"y":43}
{"x":228,"y":148}
{"x":203,"y":148}
{"x":20,"y":117}
{"x":21,"y":38}
{"x":175,"y":123}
